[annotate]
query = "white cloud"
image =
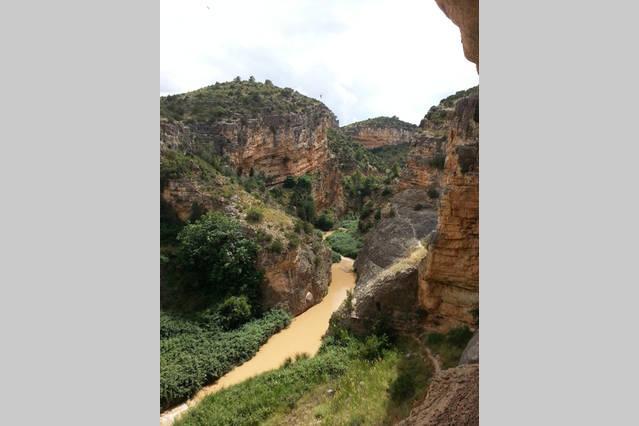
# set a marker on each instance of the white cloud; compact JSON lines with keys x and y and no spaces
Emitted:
{"x":365,"y":58}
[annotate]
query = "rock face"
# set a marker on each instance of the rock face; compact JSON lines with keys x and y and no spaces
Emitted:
{"x":452,"y":399}
{"x":275,"y":146}
{"x":471,"y":353}
{"x":292,"y":274}
{"x":449,"y":275}
{"x":374,"y":137}
{"x":381,"y":131}
{"x":387,"y":265}
{"x":297,"y":279}
{"x":465,"y":14}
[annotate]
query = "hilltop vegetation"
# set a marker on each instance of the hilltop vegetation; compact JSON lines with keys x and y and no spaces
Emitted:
{"x":381,"y":122}
{"x":235,"y":99}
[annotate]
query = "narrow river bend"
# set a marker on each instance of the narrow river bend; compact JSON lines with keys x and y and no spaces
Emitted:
{"x":303,"y":335}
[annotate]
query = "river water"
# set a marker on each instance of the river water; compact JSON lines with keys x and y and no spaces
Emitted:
{"x":303,"y":335}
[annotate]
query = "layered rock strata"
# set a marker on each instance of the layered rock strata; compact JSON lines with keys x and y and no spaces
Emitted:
{"x":449,"y":275}
{"x":387,"y":265}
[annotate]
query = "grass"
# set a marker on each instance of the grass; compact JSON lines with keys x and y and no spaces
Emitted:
{"x":298,"y":393}
{"x":195,"y":351}
{"x":449,"y":346}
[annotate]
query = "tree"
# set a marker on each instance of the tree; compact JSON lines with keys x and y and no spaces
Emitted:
{"x":252,"y":79}
{"x":217,"y":258}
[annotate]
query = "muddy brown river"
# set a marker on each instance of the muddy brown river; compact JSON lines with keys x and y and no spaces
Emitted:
{"x":303,"y":335}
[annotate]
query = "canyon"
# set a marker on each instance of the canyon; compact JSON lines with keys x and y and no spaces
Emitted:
{"x":250,"y":150}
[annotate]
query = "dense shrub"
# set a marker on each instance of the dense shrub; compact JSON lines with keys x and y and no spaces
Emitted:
{"x":276,"y":246}
{"x":403,"y":387}
{"x":235,"y":311}
{"x":325,"y":222}
{"x":302,"y":201}
{"x":344,"y":243}
{"x":289,"y":182}
{"x":438,"y":161}
{"x":194,"y":353}
{"x":373,"y":347}
{"x":254,"y":215}
{"x":335,"y":256}
{"x":217,"y":258}
{"x":433,"y":193}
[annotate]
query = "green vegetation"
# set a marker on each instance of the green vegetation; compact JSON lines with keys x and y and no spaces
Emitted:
{"x":235,"y":311}
{"x":449,"y":346}
{"x":215,"y":258}
{"x":235,"y":99}
{"x":195,"y":350}
{"x":438,"y":161}
{"x":382,"y":122}
{"x":336,"y":387}
{"x":254,"y":215}
{"x":335,"y":256}
{"x":301,"y":201}
{"x":347,"y":239}
{"x":325,"y":221}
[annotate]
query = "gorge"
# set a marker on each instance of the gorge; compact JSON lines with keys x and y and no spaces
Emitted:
{"x":267,"y":173}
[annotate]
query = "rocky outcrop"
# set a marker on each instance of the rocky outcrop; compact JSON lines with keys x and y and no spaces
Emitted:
{"x":471,"y":353}
{"x":452,"y":399}
{"x":374,"y":137}
{"x":297,"y":277}
{"x":274,"y":146}
{"x":465,"y":14}
{"x":427,"y":151}
{"x":387,"y":265}
{"x":449,"y":275}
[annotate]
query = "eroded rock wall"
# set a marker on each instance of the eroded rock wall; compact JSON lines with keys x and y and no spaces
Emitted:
{"x":465,"y":14}
{"x":297,"y":277}
{"x":375,"y":137}
{"x":275,"y":146}
{"x":449,"y":275}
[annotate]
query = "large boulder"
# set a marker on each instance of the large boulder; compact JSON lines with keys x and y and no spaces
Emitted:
{"x":471,"y":353}
{"x":387,"y":265}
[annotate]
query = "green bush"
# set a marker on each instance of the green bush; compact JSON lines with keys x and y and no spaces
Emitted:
{"x":216,"y":257}
{"x":438,"y":161}
{"x":325,"y":222}
{"x":335,"y":256}
{"x":433,"y":193}
{"x":254,"y":215}
{"x":344,"y":243}
{"x":235,"y":311}
{"x":289,"y":182}
{"x":403,"y":387}
{"x":276,"y":246}
{"x":373,"y":347}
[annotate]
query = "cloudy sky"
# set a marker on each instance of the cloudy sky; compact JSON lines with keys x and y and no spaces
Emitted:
{"x":364,"y":58}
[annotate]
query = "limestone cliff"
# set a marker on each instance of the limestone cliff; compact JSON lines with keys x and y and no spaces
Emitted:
{"x":263,"y":130}
{"x":381,"y":131}
{"x":297,"y":274}
{"x":427,"y":150}
{"x":449,"y":275}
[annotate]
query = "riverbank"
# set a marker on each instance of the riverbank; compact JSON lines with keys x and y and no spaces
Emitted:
{"x":303,"y":336}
